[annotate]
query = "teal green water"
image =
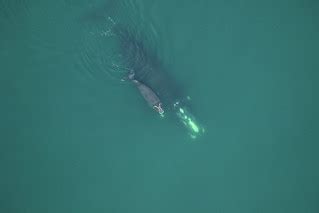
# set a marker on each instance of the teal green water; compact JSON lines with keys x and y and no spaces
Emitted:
{"x":75,"y":138}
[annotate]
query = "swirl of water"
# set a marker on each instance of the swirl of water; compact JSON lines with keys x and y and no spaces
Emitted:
{"x":109,"y":41}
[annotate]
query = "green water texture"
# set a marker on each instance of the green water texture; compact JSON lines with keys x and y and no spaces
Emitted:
{"x":75,"y":138}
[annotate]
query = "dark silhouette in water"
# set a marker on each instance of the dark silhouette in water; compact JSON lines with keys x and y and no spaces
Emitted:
{"x":147,"y":68}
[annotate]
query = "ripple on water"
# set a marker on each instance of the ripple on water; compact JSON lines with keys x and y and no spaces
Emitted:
{"x":100,"y":54}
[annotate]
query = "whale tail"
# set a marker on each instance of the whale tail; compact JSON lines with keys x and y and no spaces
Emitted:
{"x":131,"y":75}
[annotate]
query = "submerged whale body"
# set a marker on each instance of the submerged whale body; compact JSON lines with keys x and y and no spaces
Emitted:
{"x":147,"y":67}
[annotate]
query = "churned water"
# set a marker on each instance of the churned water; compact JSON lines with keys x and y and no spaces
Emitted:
{"x":76,"y":136}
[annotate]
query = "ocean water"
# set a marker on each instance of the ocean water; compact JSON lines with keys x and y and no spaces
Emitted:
{"x":74,"y":137}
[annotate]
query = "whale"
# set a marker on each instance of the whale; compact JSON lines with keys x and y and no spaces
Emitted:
{"x":148,"y":94}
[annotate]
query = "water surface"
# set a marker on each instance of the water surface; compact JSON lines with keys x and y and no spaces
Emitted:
{"x":75,"y":138}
